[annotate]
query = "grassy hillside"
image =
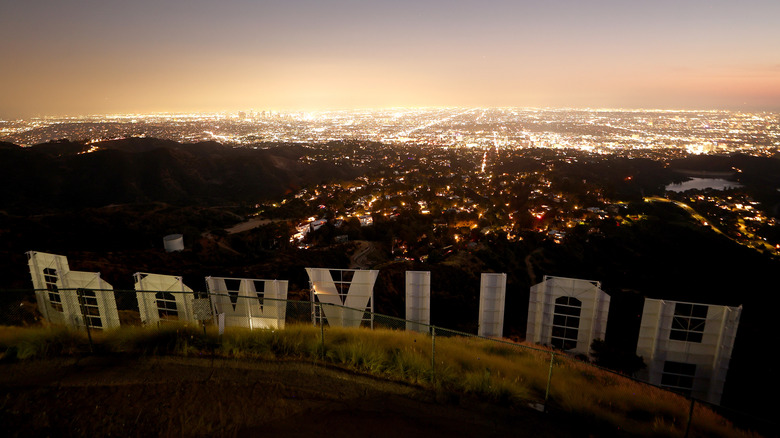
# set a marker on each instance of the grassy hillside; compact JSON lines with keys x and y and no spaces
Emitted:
{"x":459,"y":368}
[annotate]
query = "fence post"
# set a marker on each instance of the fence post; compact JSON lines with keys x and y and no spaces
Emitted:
{"x":549,"y":378}
{"x":690,"y":418}
{"x":433,"y":353}
{"x":322,"y":334}
{"x":84,"y":317}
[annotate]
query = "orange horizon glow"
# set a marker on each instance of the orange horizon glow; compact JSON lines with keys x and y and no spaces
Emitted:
{"x":300,"y":55}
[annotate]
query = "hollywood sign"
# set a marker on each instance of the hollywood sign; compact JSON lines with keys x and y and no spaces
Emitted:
{"x":687,"y":346}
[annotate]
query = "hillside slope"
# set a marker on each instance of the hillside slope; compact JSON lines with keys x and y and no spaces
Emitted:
{"x":65,"y":175}
{"x":168,"y":396}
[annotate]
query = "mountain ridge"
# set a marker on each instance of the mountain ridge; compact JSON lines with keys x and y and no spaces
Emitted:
{"x":66,"y":175}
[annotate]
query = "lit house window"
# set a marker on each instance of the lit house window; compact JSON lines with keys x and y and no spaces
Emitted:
{"x":678,"y":375}
{"x":566,"y":323}
{"x":688,"y":322}
{"x":50,"y":280}
{"x":89,"y":308}
{"x":166,"y":306}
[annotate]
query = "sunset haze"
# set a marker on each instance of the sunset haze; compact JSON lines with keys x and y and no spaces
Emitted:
{"x":101,"y":57}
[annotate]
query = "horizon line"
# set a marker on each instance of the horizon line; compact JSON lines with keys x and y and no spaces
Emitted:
{"x":378,"y":109}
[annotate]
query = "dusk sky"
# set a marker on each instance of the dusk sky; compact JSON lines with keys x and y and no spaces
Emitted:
{"x":86,"y":57}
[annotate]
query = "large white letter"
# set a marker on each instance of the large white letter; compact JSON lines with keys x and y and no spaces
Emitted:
{"x":492,"y":292}
{"x":343,"y":308}
{"x":418,"y":300}
{"x":163,"y":298}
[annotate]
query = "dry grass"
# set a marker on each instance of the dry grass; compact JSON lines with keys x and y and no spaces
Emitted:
{"x":20,"y":343}
{"x":499,"y":372}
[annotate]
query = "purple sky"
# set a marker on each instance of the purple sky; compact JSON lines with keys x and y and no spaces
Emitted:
{"x":84,"y":57}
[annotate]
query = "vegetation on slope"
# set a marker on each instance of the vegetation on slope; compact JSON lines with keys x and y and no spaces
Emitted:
{"x":501,"y":373}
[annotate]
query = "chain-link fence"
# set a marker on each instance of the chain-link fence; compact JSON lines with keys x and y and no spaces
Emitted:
{"x":450,"y":360}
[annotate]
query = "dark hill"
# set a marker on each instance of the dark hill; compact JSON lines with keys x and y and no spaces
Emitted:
{"x":759,"y":175}
{"x":144,"y":144}
{"x":59,"y":175}
{"x":619,"y":178}
{"x":57,"y":148}
{"x":745,"y":168}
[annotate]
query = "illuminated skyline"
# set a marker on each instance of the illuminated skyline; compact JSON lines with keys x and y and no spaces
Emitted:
{"x":97,"y":57}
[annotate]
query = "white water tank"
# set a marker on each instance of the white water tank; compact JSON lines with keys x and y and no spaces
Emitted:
{"x":173,"y":242}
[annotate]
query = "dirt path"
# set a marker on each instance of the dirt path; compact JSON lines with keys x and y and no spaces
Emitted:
{"x":359,"y":259}
{"x":101,"y":396}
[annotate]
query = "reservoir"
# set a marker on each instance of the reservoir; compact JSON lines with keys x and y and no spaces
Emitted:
{"x":703,"y":183}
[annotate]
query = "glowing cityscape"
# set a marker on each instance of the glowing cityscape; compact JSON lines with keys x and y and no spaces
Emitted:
{"x":592,"y":181}
{"x":632,"y":132}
